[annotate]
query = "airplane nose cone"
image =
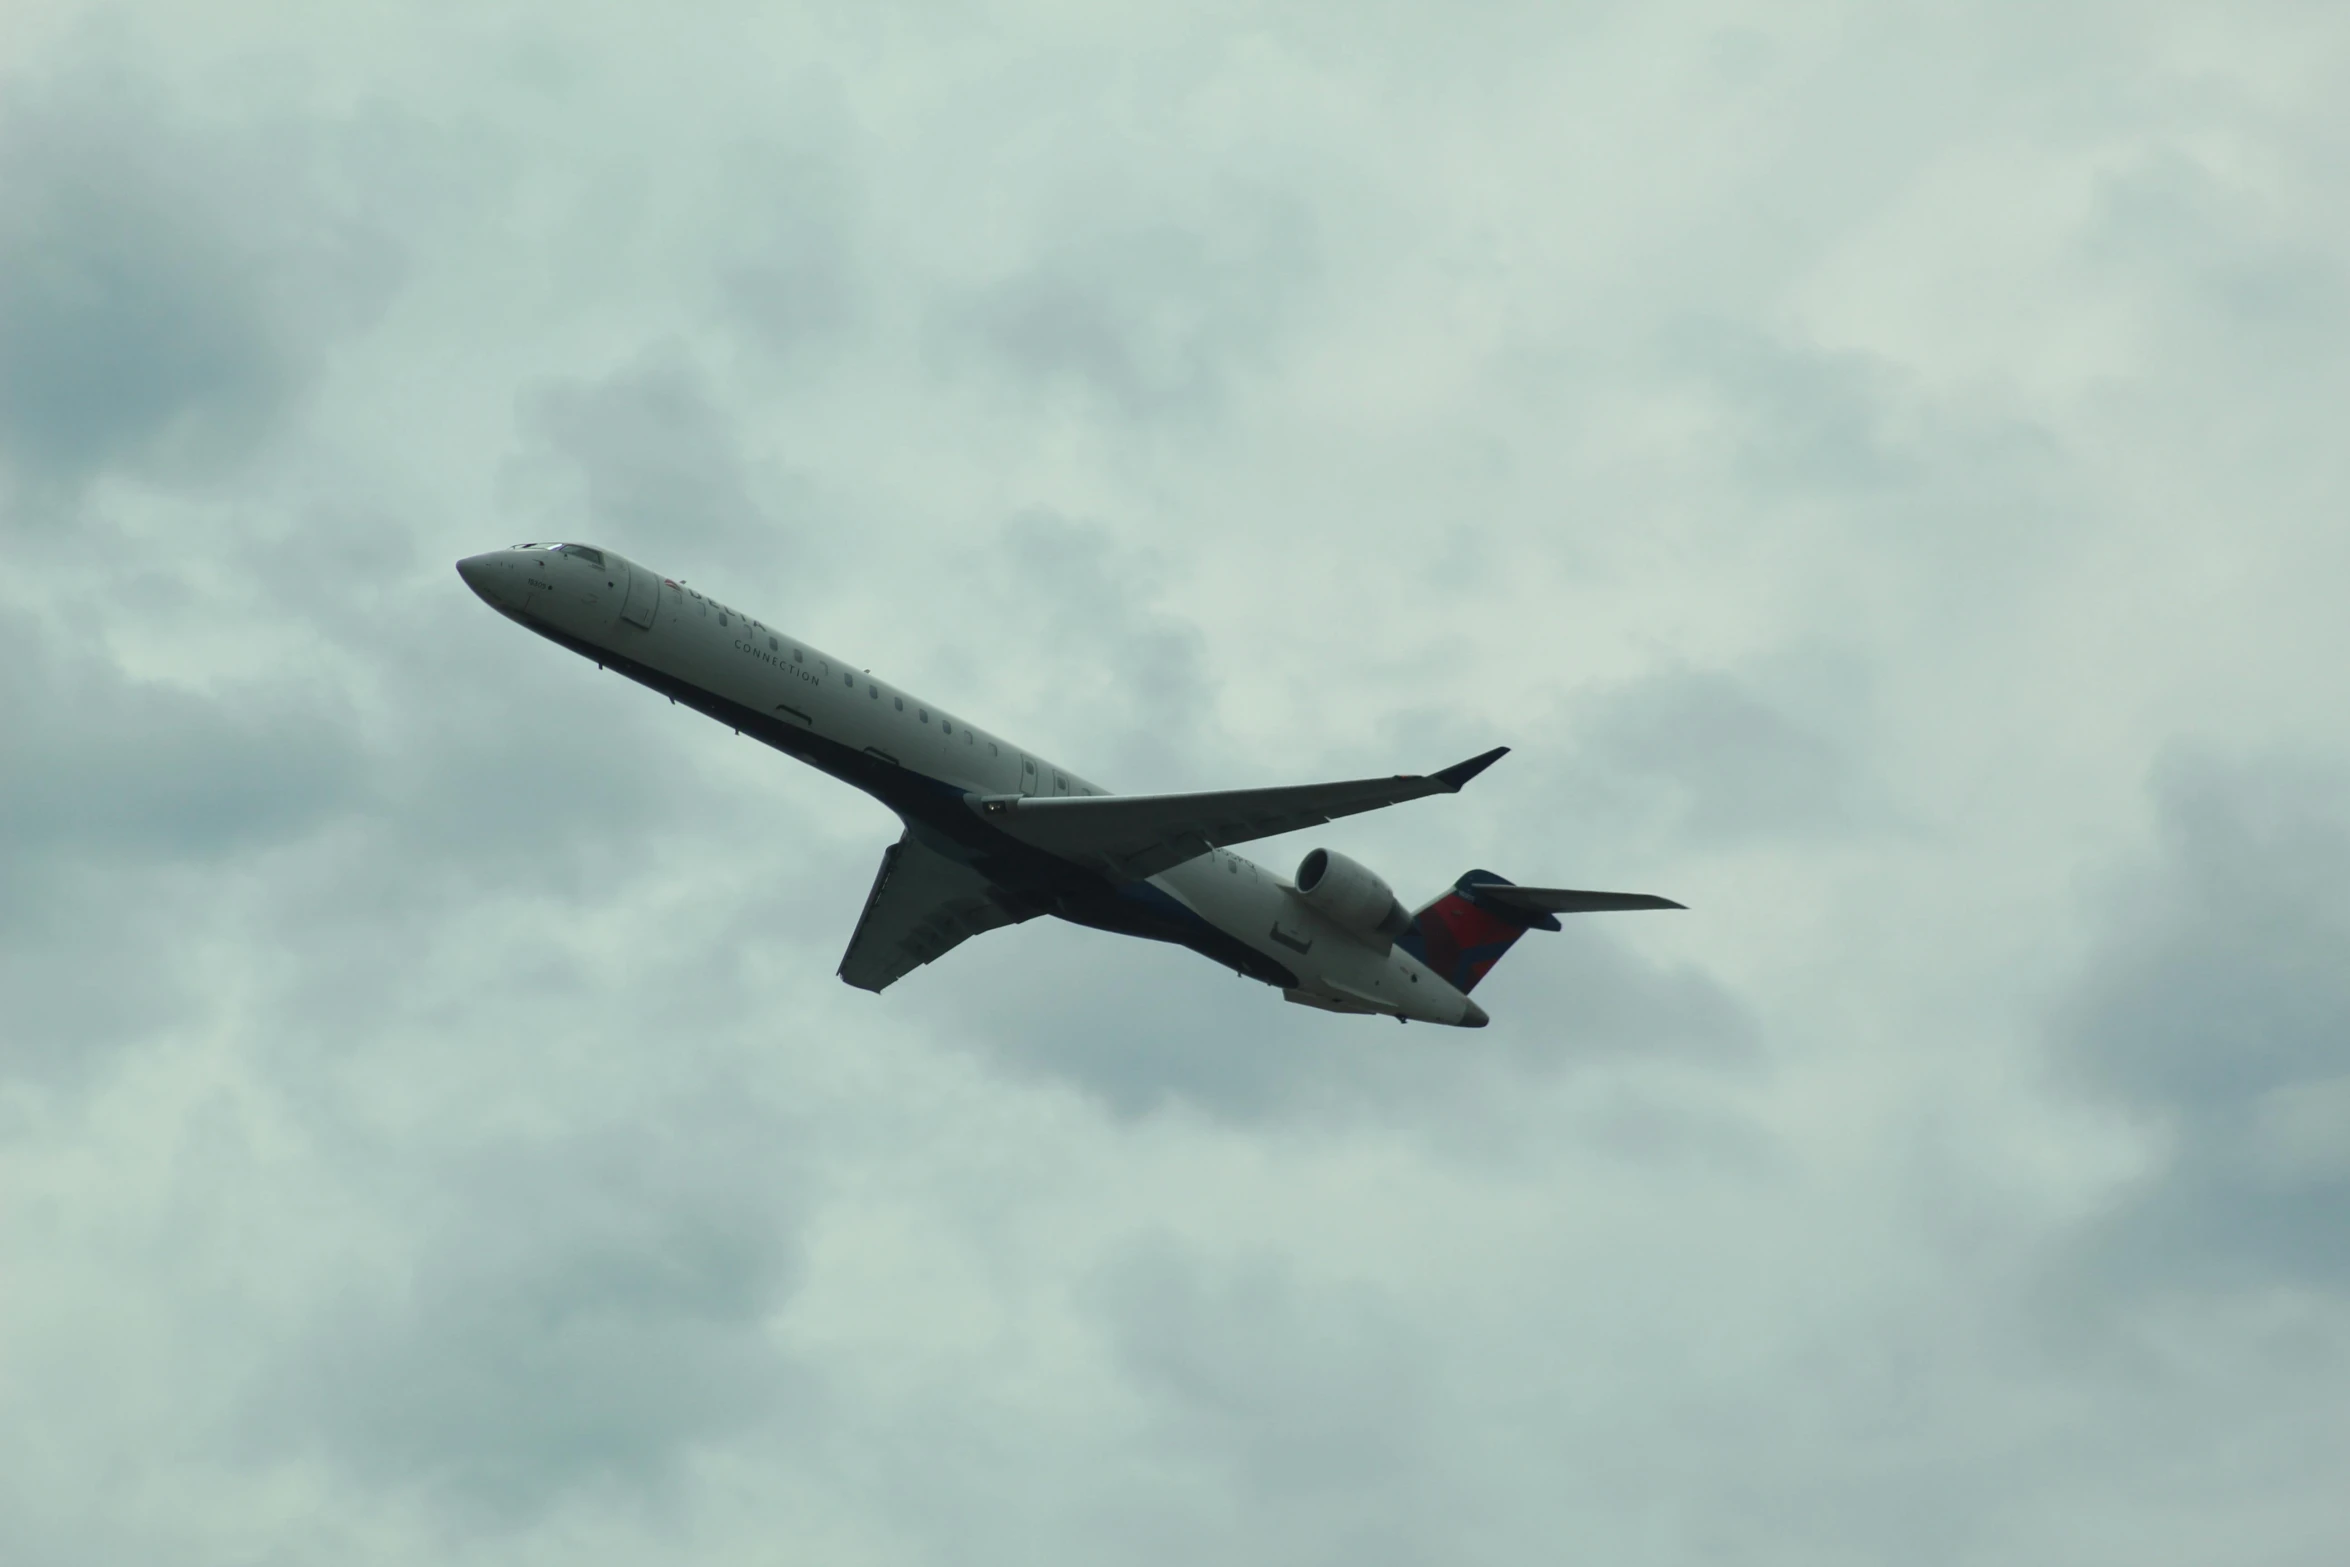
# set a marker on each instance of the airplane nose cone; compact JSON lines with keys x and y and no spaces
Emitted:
{"x":481,"y":574}
{"x":1473,"y":1015}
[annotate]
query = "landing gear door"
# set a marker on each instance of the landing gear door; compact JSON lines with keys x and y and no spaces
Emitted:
{"x":644,"y":597}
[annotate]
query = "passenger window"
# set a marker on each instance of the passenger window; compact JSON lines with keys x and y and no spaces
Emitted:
{"x":991,"y":750}
{"x":966,"y":737}
{"x":772,"y":647}
{"x":722,"y":617}
{"x":924,"y":713}
{"x":900,"y":701}
{"x":946,"y":725}
{"x":873,"y":691}
{"x":799,"y":655}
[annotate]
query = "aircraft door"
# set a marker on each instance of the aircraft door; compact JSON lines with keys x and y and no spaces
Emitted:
{"x":644,"y":597}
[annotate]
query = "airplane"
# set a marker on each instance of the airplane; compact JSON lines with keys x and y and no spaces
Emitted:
{"x":995,"y":835}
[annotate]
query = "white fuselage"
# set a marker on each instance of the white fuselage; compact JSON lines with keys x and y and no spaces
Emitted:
{"x":647,"y":625}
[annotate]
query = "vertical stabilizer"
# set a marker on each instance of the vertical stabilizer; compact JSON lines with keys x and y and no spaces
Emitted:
{"x":1461,"y":936}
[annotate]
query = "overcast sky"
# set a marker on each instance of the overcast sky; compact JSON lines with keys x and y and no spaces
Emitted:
{"x":1880,"y":468}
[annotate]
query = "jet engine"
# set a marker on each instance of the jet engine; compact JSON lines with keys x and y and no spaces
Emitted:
{"x":1351,"y":895}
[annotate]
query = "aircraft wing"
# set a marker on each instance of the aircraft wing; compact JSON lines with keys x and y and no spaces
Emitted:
{"x":1129,"y":836}
{"x":922,"y":906}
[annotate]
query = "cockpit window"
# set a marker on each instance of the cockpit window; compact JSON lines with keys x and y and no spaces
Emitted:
{"x":593,"y":557}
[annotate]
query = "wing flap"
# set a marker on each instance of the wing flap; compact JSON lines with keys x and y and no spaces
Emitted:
{"x":922,"y":906}
{"x":1129,"y":836}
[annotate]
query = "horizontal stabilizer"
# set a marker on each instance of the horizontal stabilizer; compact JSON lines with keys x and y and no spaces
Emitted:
{"x":1127,"y":837}
{"x":1561,"y":900}
{"x":1463,"y":933}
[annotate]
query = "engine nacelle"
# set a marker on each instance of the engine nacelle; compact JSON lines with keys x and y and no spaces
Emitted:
{"x":1351,"y":895}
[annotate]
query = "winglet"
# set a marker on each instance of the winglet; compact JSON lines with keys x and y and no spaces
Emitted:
{"x":1461,"y":772}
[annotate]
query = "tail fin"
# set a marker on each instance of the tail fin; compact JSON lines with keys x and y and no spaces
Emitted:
{"x":1461,"y":935}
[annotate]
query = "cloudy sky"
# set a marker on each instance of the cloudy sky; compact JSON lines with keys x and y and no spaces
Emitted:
{"x":1879,"y":466}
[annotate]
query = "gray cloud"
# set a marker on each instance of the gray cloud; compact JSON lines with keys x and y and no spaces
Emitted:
{"x":660,"y":467}
{"x":1582,"y":995}
{"x":162,"y":288}
{"x":1155,"y":319}
{"x":794,"y":285}
{"x":99,"y":764}
{"x":1141,"y":693}
{"x":571,"y":1314}
{"x":2217,"y":1007}
{"x":124,"y":804}
{"x":1715,"y":758}
{"x":1801,"y":418}
{"x":2188,"y":226}
{"x":1314,"y":1404}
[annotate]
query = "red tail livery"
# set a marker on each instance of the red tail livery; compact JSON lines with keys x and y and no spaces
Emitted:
{"x":1464,"y":933}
